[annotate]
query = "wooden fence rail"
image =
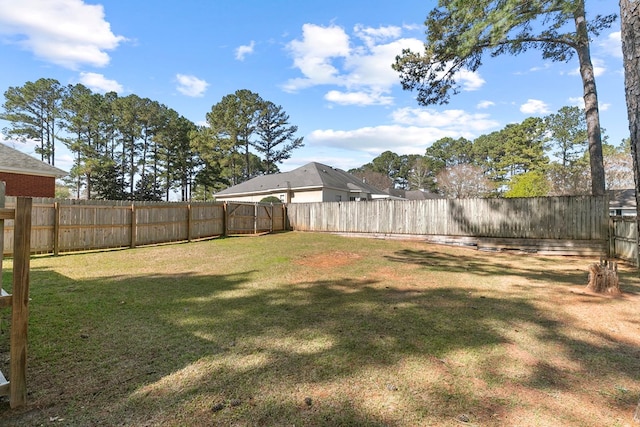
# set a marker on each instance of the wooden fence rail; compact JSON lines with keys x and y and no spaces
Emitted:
{"x":78,"y":225}
{"x":561,"y":225}
{"x":567,"y":225}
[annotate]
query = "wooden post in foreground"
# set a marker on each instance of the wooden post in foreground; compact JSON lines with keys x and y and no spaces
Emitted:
{"x":20,"y":306}
{"x":2,"y":202}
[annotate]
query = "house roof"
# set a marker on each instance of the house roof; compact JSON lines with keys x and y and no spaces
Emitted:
{"x":14,"y":161}
{"x":311,"y":175}
{"x":412,"y":194}
{"x":622,"y":198}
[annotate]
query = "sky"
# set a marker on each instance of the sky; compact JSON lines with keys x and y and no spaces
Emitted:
{"x":328,"y":64}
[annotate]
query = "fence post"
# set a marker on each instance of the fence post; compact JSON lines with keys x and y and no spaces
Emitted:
{"x":20,"y":306}
{"x":611,"y":248}
{"x":134,"y":227}
{"x":56,"y":228}
{"x":637,"y":226}
{"x":255,"y":218}
{"x":225,"y":220}
{"x":285,"y":217}
{"x":189,"y":222}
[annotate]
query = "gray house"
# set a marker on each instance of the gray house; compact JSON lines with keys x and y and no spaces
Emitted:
{"x":622,"y":202}
{"x":313,"y":182}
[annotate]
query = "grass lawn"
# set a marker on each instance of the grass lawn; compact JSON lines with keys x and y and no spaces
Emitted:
{"x":311,"y":329}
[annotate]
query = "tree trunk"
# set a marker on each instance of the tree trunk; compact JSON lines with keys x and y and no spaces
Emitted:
{"x":590,"y":103}
{"x":603,"y":278}
{"x":630,"y":27}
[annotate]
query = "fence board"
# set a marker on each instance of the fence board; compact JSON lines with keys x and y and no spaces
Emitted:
{"x":624,"y":239}
{"x":78,"y":225}
{"x":82,"y":225}
{"x":566,"y":219}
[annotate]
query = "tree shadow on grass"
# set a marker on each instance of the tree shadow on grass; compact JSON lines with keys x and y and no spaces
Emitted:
{"x":487,"y":265}
{"x":223,"y":350}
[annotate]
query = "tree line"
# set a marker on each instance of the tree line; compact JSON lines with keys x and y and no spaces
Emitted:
{"x":133,"y":148}
{"x":459,"y":36}
{"x":541,"y":156}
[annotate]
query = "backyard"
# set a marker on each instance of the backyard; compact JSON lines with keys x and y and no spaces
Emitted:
{"x":311,"y":329}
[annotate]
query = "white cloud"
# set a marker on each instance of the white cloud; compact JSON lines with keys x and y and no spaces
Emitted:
{"x":357,"y":98}
{"x":245,"y":50}
{"x":485,"y":104}
{"x":576,"y":101}
{"x":99,"y":83}
{"x":612,"y":45}
{"x":372,"y":36}
{"x":458,"y":121}
{"x":412,"y":131}
{"x":361,"y":64}
{"x":374,"y":140}
{"x":68,"y":33}
{"x":371,"y":66}
{"x":545,"y":66}
{"x":313,"y":55}
{"x":191,"y":85}
{"x":598,"y":68}
{"x":469,"y":80}
{"x":535,"y":106}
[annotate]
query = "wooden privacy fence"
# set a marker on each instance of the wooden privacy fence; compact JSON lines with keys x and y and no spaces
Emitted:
{"x":18,"y":301}
{"x":78,"y":225}
{"x":560,"y":225}
{"x":623,"y":243}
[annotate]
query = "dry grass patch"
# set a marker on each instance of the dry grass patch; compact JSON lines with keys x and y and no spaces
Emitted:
{"x":313,"y":329}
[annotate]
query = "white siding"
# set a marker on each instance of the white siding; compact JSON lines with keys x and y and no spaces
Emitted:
{"x":310,"y":196}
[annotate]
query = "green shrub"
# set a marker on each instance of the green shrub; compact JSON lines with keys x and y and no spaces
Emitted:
{"x":271,"y":199}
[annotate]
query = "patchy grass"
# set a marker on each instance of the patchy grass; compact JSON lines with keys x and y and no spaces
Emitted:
{"x":314,"y":329}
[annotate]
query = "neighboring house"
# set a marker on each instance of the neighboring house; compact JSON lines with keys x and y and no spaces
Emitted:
{"x":27,"y":176}
{"x":622,"y":202}
{"x":313,"y":182}
{"x":396,"y":193}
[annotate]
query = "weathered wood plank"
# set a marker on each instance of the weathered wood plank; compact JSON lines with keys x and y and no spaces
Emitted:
{"x":20,"y":306}
{"x":6,"y":213}
{"x":6,"y":299}
{"x":554,"y":218}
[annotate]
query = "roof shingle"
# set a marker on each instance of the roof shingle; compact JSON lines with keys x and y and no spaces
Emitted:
{"x":14,"y":161}
{"x":311,"y":175}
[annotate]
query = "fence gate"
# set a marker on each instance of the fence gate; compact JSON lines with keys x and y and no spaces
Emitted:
{"x":18,"y":301}
{"x":253,"y":218}
{"x":623,"y":239}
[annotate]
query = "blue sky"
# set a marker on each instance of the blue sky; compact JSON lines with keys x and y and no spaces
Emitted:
{"x":328,"y":64}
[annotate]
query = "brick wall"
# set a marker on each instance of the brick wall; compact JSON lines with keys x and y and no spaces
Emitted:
{"x":29,"y":185}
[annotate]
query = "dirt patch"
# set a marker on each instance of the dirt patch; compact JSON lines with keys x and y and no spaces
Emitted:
{"x":329,"y":259}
